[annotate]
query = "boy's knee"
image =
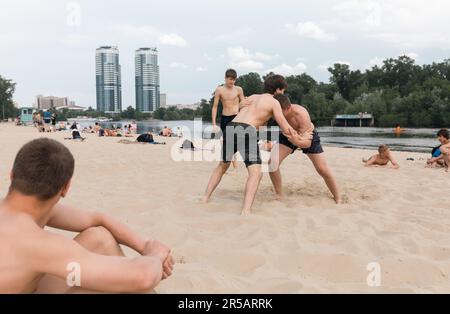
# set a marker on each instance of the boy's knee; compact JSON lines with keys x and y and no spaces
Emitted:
{"x":323,"y":171}
{"x":224,"y":166}
{"x":101,"y":236}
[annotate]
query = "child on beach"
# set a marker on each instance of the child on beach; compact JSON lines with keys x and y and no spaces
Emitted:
{"x":441,"y":153}
{"x":383,"y":157}
{"x":34,"y":259}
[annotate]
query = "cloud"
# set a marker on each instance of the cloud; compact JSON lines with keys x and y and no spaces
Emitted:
{"x":172,"y":40}
{"x":239,"y":33}
{"x":397,"y":22}
{"x":286,"y":70}
{"x":412,"y":55}
{"x":311,"y":31}
{"x":76,"y":40}
{"x":201,"y":69}
{"x":243,"y":59}
{"x":324,"y":66}
{"x":177,"y":65}
{"x":150,"y":33}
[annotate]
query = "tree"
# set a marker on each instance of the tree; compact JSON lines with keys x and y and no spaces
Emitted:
{"x":8,"y":110}
{"x":251,"y":83}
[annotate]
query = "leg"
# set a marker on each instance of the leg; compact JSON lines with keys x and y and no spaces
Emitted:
{"x":277,"y":155}
{"x":254,"y":178}
{"x":96,"y":239}
{"x":445,"y":149}
{"x":215,"y":179}
{"x":322,"y":168}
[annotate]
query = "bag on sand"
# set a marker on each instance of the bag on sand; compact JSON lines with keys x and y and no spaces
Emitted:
{"x":145,"y":138}
{"x":187,"y":144}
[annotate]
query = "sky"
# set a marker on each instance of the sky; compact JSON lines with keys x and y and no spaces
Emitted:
{"x":48,"y":46}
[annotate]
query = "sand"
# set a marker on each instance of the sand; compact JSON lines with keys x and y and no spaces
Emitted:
{"x":304,"y":244}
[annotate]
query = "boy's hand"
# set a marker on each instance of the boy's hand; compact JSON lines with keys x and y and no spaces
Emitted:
{"x":156,"y":248}
{"x":245,"y":103}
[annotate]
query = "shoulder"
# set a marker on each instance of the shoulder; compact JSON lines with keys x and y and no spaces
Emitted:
{"x":239,"y":89}
{"x":219,"y":89}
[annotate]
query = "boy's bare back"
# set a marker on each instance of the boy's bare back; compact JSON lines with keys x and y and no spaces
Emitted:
{"x":18,"y":236}
{"x":261,"y":110}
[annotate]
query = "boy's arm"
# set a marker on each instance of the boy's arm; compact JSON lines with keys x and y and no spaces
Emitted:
{"x":215,"y":107}
{"x":288,"y":131}
{"x":62,"y":257}
{"x":371,"y":161}
{"x":76,"y":220}
{"x":395,"y":165}
{"x":303,"y":119}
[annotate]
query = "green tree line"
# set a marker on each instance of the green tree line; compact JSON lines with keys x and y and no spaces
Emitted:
{"x":397,"y":92}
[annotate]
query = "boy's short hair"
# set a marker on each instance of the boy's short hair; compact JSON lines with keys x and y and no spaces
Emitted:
{"x":274,"y":82}
{"x":444,"y":133}
{"x":42,"y":168}
{"x":382,"y":148}
{"x":283,"y":100}
{"x":231,"y":73}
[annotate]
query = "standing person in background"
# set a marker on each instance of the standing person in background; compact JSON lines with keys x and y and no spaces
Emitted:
{"x":230,"y":96}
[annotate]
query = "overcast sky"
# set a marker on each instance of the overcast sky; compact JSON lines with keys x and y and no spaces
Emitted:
{"x":48,"y":46}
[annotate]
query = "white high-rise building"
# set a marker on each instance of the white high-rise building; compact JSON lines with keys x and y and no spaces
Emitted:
{"x":163,"y":100}
{"x":108,"y":79}
{"x":147,"y":79}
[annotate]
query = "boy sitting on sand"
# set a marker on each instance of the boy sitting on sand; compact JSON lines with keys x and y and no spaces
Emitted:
{"x":382,"y":158}
{"x":33,"y":259}
{"x":439,"y":157}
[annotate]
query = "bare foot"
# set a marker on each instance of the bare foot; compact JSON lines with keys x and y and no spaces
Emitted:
{"x":279,"y":197}
{"x":246,"y":213}
{"x":338,"y":200}
{"x":204,"y":200}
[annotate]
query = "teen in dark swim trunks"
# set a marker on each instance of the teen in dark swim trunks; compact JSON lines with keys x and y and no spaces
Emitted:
{"x":298,"y":117}
{"x":230,"y":96}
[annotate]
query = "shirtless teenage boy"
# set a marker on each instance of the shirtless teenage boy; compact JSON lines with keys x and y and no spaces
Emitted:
{"x":241,"y":136}
{"x":298,"y":117}
{"x":383,"y":157}
{"x":230,"y":96}
{"x":439,"y":158}
{"x":445,"y":147}
{"x":33,"y":259}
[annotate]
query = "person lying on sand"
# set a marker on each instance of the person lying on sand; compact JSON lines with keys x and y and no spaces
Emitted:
{"x":34,"y":259}
{"x":438,"y":158}
{"x":383,"y":157}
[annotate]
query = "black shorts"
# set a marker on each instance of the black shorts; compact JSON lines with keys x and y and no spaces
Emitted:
{"x":242,"y":138}
{"x":224,"y":121}
{"x":316,"y":147}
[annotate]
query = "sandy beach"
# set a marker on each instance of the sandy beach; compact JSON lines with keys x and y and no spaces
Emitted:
{"x":303,"y":244}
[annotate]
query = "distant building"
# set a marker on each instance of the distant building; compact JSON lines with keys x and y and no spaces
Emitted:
{"x":353,"y":120}
{"x":189,"y":106}
{"x":72,"y":107}
{"x":163,"y":100}
{"x":108,"y":79}
{"x":48,"y":102}
{"x":147,"y":79}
